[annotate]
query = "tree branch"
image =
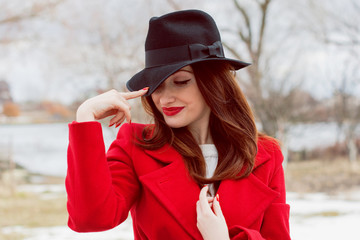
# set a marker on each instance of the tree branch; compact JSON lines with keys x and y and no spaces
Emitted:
{"x":264,"y":9}
{"x":35,"y":10}
{"x":174,"y":5}
{"x":233,"y":51}
{"x":248,"y":38}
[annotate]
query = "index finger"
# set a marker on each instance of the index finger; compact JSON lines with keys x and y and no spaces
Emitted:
{"x":203,"y":193}
{"x":203,"y":201}
{"x":135,"y":94}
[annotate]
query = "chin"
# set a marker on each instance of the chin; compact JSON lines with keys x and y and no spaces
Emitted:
{"x":174,"y":124}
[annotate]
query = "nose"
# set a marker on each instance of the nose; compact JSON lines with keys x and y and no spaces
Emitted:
{"x":166,"y":96}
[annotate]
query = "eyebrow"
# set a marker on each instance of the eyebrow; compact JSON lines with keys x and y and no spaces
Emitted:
{"x":184,"y":70}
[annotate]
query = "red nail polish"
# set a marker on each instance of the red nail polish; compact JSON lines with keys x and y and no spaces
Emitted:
{"x":145,"y":88}
{"x":217,"y":197}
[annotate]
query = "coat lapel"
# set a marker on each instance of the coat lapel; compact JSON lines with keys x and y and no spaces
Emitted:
{"x":174,"y":188}
{"x":243,"y":201}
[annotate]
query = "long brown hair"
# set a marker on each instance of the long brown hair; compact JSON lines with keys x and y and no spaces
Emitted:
{"x":232,"y":127}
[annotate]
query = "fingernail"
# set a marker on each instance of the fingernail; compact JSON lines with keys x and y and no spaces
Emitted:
{"x":117,"y":125}
{"x":217,"y":197}
{"x":111,"y":124}
{"x":145,"y":88}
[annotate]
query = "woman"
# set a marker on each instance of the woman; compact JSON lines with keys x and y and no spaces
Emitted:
{"x":201,"y":171}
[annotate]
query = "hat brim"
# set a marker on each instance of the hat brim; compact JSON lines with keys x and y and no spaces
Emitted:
{"x":153,"y":77}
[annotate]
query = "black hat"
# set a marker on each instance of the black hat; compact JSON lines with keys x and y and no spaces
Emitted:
{"x":176,"y":40}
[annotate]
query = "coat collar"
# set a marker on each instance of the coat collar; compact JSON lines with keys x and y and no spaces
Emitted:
{"x":178,"y":193}
{"x":163,"y":154}
{"x":262,"y":156}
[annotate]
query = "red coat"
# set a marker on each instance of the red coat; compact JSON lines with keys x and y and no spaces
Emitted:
{"x":156,"y":188}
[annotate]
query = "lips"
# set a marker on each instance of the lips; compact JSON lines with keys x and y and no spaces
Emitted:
{"x":171,"y":111}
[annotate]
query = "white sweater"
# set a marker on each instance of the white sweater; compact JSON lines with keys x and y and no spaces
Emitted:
{"x":210,"y":154}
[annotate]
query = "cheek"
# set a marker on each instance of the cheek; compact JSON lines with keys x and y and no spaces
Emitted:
{"x":196,"y":97}
{"x":156,"y":101}
{"x":154,"y":98}
{"x":200,"y":103}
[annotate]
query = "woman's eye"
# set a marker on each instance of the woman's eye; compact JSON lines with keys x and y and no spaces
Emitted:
{"x":181,"y":82}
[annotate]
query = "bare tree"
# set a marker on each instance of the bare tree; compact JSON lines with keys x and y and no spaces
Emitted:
{"x":342,"y":32}
{"x":34,"y":10}
{"x":273,"y":82}
{"x":14,"y":14}
{"x":115,"y":50}
{"x":274,"y":96}
{"x":347,"y":110}
{"x":174,"y":5}
{"x":337,"y":22}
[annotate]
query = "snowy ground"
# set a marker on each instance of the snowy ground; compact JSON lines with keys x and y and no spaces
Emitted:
{"x":42,"y":149}
{"x":318,"y":216}
{"x":313,"y":217}
{"x":123,"y":232}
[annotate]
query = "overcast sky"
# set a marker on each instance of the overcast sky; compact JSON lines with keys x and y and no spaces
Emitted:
{"x":57,"y":56}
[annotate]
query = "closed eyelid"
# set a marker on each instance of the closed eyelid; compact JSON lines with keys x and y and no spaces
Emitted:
{"x":182,"y":77}
{"x":181,"y":80}
{"x":183,"y":73}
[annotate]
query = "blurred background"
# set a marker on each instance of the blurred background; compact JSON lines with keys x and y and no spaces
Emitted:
{"x":303,"y":85}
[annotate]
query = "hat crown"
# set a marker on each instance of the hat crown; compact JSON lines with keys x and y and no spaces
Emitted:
{"x":176,"y":40}
{"x":181,"y":28}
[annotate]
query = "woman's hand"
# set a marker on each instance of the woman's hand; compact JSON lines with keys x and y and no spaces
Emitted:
{"x":108,"y":104}
{"x":210,"y":221}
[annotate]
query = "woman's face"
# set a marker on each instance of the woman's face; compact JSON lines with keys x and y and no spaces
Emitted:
{"x":179,"y":100}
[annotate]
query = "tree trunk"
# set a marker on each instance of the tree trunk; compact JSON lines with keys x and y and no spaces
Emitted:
{"x":352,"y":152}
{"x":282,"y":136}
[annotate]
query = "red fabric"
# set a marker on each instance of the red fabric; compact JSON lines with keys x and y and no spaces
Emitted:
{"x":156,"y":188}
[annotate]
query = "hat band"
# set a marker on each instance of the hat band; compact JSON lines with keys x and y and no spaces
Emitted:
{"x":165,"y":56}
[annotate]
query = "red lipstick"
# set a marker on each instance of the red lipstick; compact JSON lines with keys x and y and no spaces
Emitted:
{"x":171,"y":111}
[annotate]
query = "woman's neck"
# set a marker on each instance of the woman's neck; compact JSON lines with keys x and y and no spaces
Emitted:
{"x":202,"y":134}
